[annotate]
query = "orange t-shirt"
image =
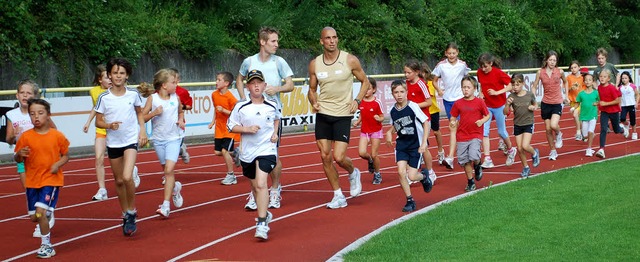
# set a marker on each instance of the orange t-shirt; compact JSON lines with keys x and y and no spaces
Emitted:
{"x":575,"y":79}
{"x":227,"y":101}
{"x":45,"y":150}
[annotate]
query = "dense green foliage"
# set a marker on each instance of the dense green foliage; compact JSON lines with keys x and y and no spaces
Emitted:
{"x":95,"y":30}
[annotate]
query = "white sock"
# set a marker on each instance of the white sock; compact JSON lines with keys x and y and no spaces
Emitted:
{"x":337,"y":192}
{"x":46,"y":239}
{"x":165,"y":204}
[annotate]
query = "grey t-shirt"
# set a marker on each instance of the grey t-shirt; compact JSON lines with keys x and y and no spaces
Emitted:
{"x":522,"y":115}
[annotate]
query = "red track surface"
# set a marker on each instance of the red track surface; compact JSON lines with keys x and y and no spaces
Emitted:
{"x":212,"y":224}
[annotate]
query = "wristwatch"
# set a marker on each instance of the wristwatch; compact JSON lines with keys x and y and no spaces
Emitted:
{"x":357,"y":101}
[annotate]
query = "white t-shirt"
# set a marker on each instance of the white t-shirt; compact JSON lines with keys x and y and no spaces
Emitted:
{"x":628,"y":95}
{"x":451,"y":76}
{"x":20,"y":122}
{"x":274,"y":70}
{"x":165,"y":127}
{"x":262,"y":115}
{"x":121,"y":109}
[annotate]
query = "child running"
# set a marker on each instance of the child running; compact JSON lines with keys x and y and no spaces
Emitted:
{"x":371,"y":118}
{"x":609,"y":110}
{"x":224,"y":101}
{"x":119,"y":111}
{"x":187,"y":104}
{"x":412,"y":129}
{"x":43,"y":150}
{"x":575,"y":82}
{"x":18,"y":122}
{"x":523,"y":104}
{"x":630,"y":99}
{"x":473,"y":114}
{"x":164,"y":109}
{"x":102,"y":83}
{"x":588,"y":100}
{"x":494,"y":84}
{"x":257,"y":120}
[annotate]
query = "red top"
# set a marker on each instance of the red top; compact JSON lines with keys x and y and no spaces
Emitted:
{"x":469,"y":111}
{"x":367,"y":110}
{"x":419,"y":93}
{"x":185,"y":97}
{"x":496,"y":80}
{"x":609,"y":93}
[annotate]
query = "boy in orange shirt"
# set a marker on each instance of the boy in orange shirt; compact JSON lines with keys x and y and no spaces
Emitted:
{"x":223,"y":102}
{"x":43,"y":151}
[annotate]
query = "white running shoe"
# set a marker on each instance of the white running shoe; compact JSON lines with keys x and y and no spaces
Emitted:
{"x":589,"y":152}
{"x":251,"y":203}
{"x":136,"y":177}
{"x":230,"y":179}
{"x":553,"y":155}
{"x":559,"y":140}
{"x":448,"y":163}
{"x":578,"y":137}
{"x":600,"y":153}
{"x":100,"y":195}
{"x":441,"y":157}
{"x":337,"y":202}
{"x":511,"y":156}
{"x":355,"y":184}
{"x":177,"y":197}
{"x":625,"y":130}
{"x":501,"y":145}
{"x":634,"y":136}
{"x":262,"y":229}
{"x":46,"y":251}
{"x":432,"y":177}
{"x":487,"y":163}
{"x":184,"y":154}
{"x":163,"y":211}
{"x":274,"y":197}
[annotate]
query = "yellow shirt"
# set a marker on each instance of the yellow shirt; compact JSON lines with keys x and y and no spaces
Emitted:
{"x":434,"y":108}
{"x":95,"y":93}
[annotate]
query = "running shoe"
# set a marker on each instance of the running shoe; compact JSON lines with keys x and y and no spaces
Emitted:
{"x":427,"y":185}
{"x":370,"y":166}
{"x":251,"y":203}
{"x":440,"y":157}
{"x":487,"y":163}
{"x":184,"y":154}
{"x":163,"y":211}
{"x":553,"y":155}
{"x":129,"y":224}
{"x":100,"y":195}
{"x":525,"y":172}
{"x":262,"y":230}
{"x":410,"y":206}
{"x":355,"y":185}
{"x":477,"y":172}
{"x":589,"y":152}
{"x":625,"y":130}
{"x":177,"y":197}
{"x":470,"y":187}
{"x":558,"y":140}
{"x":274,"y":197}
{"x":136,"y":177}
{"x":600,"y":153}
{"x":578,"y":137}
{"x":448,"y":163}
{"x":230,"y":179}
{"x":536,"y":157}
{"x":511,"y":156}
{"x":377,"y":178}
{"x":501,"y":145}
{"x":46,"y":251}
{"x":235,"y":154}
{"x":634,"y":136}
{"x":337,"y":202}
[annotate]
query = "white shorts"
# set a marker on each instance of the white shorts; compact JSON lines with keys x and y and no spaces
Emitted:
{"x":588,"y":127}
{"x":167,"y":150}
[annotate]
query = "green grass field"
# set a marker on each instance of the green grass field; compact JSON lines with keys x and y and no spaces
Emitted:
{"x":588,"y":213}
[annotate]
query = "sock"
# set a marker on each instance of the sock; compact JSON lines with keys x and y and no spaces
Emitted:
{"x":337,"y":192}
{"x":102,"y":190}
{"x":262,"y":220}
{"x":410,"y":199}
{"x":230,"y":174}
{"x":49,"y":213}
{"x":165,"y":203}
{"x":46,"y":239}
{"x":132,"y":212}
{"x":470,"y":181}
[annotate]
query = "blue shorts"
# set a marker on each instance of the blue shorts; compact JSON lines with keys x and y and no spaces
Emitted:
{"x":167,"y":150}
{"x":412,"y":157}
{"x":45,"y":197}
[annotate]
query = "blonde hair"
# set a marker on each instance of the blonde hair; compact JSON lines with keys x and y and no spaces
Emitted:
{"x":34,"y":86}
{"x":159,"y":78}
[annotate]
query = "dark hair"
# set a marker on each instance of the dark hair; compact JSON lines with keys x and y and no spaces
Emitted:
{"x":628,"y":75}
{"x":517,"y":77}
{"x":485,"y":58}
{"x":98,"y":74}
{"x":574,"y":62}
{"x":601,"y":51}
{"x":227,"y":76}
{"x":373,"y":83}
{"x":121,"y":62}
{"x":397,"y":83}
{"x":452,"y":45}
{"x":546,"y":57}
{"x":470,"y":78}
{"x":422,"y":68}
{"x":39,"y":101}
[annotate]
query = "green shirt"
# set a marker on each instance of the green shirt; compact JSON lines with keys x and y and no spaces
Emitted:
{"x":587,"y":110}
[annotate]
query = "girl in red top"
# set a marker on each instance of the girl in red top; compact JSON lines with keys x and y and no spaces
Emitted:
{"x":609,"y":109}
{"x":418,"y":92}
{"x":371,"y":117}
{"x":551,"y":106}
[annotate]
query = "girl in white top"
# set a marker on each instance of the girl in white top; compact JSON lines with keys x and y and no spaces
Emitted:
{"x":164,"y":110}
{"x":628,"y":103}
{"x":119,"y":112}
{"x":451,"y":71}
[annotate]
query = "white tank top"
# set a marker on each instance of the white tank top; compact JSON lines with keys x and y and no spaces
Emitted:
{"x":165,"y":127}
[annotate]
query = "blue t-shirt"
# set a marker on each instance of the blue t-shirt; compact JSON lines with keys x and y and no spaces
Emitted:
{"x":408,"y":124}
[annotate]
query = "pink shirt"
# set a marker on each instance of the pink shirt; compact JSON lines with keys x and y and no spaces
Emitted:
{"x":551,"y":86}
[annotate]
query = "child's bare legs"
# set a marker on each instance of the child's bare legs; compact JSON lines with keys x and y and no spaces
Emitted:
{"x":438,"y":136}
{"x":523,"y":142}
{"x":552,"y":130}
{"x":40,"y":217}
{"x":261,"y":191}
{"x":375,"y":145}
{"x":428,"y":160}
{"x":169,"y":174}
{"x":362,"y":148}
{"x":228,"y":160}
{"x":123,"y":174}
{"x":468,"y":170}
{"x":402,"y":176}
{"x":576,"y":117}
{"x":99,"y":148}
{"x":452,"y":148}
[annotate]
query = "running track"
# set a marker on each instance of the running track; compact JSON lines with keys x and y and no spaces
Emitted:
{"x":212,"y":224}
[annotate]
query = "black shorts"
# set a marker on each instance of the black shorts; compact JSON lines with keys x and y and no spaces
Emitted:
{"x":118,"y":152}
{"x":334,"y":128}
{"x":519,"y":130}
{"x":547,"y":110}
{"x":266,"y":164}
{"x":435,"y":121}
{"x":223,"y":143}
